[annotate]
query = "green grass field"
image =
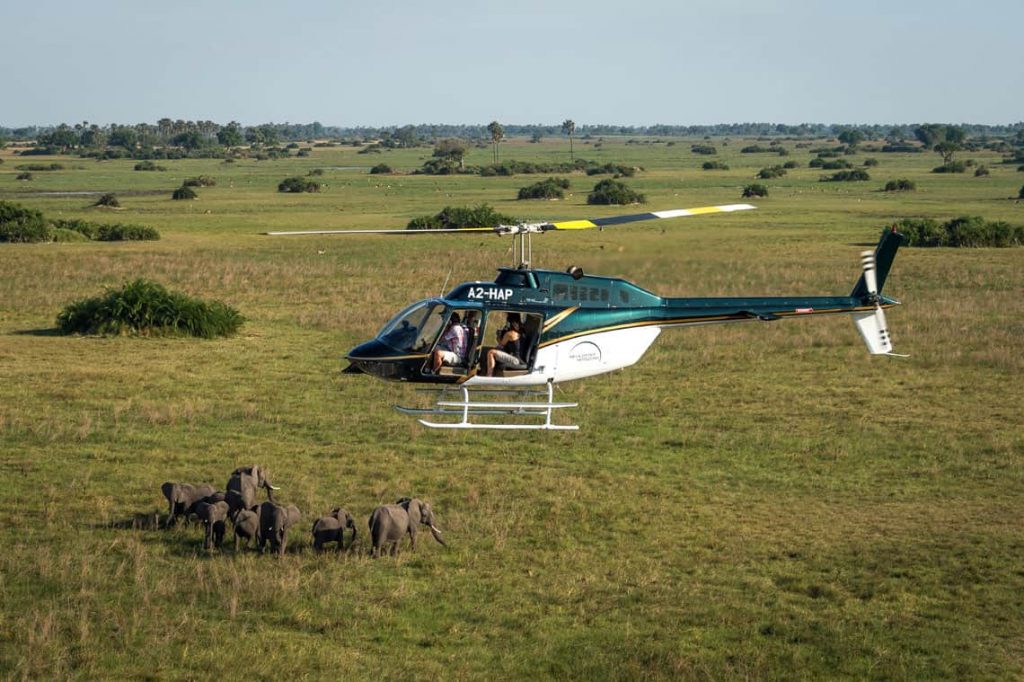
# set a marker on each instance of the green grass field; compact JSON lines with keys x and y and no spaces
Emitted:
{"x":760,"y":501}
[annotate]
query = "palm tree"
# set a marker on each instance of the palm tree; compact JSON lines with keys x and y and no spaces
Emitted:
{"x":569,"y":127}
{"x":497,"y":132}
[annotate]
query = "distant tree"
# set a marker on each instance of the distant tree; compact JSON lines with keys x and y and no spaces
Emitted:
{"x":851,"y":137}
{"x":536,"y":137}
{"x":231,"y":135}
{"x":981,"y":171}
{"x":569,"y":127}
{"x":298,"y":184}
{"x":124,"y":137}
{"x":261,"y":135}
{"x":451,"y":152}
{"x":190,"y":139}
{"x":497,"y":133}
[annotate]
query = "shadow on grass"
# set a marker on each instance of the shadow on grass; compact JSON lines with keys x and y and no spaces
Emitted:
{"x":53,"y":331}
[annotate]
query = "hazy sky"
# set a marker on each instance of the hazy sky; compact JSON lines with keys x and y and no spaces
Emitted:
{"x":456,"y":61}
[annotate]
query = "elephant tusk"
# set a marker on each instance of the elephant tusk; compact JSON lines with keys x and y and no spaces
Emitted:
{"x":273,"y":487}
{"x":435,"y":529}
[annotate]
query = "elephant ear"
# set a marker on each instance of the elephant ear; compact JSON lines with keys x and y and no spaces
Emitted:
{"x":415,"y":510}
{"x":168,"y":490}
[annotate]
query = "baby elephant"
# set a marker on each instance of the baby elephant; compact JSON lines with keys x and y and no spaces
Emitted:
{"x":247,"y":526}
{"x":182,"y":499}
{"x":331,"y":528}
{"x":390,"y":522}
{"x":275,"y":520}
{"x":214,"y":516}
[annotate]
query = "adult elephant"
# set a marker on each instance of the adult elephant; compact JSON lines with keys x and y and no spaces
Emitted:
{"x":389,"y":522}
{"x":275,"y":520}
{"x":182,"y":499}
{"x":243,"y":485}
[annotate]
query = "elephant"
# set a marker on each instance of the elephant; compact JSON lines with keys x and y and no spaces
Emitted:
{"x":331,"y":528}
{"x":243,"y":485}
{"x":214,"y":516}
{"x":182,"y":499}
{"x":275,"y":520}
{"x":247,"y":526}
{"x":389,"y":522}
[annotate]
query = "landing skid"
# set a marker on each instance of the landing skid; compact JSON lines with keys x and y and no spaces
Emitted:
{"x":505,"y":402}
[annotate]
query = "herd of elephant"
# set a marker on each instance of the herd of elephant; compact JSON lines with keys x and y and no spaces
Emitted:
{"x":269,"y":522}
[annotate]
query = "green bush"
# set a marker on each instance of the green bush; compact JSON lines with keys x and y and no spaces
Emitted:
{"x":755,"y":190}
{"x":59,"y":234}
{"x":981,"y":171}
{"x":1021,"y":194}
{"x":148,"y":166}
{"x":552,"y":188}
{"x":613,"y":192}
{"x":855,"y":175}
{"x":23,"y":176}
{"x":771,"y":172}
{"x":966,"y":231}
{"x":714,"y":165}
{"x":183,"y":193}
{"x":297,"y":184}
{"x":869,"y":162}
{"x":381,"y":169}
{"x":790,"y":164}
{"x":618,"y":170}
{"x":832,"y":164}
{"x":108,"y":200}
{"x":952,"y":167}
{"x":107,"y":233}
{"x":706,"y":149}
{"x":146,"y":308}
{"x":316,"y":172}
{"x":20,"y":224}
{"x":201,"y":181}
{"x":39,"y":167}
{"x":901,"y":185}
{"x":452,"y":217}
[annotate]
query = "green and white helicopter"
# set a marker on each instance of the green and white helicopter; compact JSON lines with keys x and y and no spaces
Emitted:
{"x":572,"y":326}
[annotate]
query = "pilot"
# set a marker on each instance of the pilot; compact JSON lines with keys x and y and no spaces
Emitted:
{"x":452,"y":348}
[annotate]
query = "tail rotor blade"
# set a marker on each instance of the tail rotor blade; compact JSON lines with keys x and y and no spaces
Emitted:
{"x":867,"y":259}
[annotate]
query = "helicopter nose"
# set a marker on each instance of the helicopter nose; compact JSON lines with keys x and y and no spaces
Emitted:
{"x":376,"y":358}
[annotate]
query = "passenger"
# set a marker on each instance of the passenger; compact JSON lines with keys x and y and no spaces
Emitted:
{"x":452,"y":348}
{"x":507,"y":352}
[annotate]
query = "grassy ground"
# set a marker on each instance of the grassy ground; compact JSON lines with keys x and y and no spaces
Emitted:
{"x":759,"y":501}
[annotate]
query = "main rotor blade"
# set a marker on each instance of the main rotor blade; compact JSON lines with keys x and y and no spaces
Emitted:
{"x":442,"y":231}
{"x":637,"y":217}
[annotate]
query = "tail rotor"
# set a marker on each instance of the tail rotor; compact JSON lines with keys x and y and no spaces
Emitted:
{"x":873,"y":327}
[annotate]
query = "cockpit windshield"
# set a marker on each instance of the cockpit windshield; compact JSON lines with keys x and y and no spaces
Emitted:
{"x":414,"y":329}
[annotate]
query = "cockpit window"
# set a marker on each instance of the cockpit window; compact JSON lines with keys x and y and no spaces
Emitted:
{"x":414,"y":329}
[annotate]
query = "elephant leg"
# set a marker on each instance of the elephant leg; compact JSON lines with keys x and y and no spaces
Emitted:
{"x":237,"y":539}
{"x":412,"y":539}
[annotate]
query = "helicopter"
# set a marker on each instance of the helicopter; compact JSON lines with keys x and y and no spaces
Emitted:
{"x":572,"y":325}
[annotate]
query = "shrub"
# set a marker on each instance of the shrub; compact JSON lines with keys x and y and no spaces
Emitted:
{"x":714,"y":165}
{"x":39,"y":167}
{"x":869,"y":162}
{"x":965,"y":231}
{"x":23,"y":176}
{"x":552,"y":188}
{"x":755,"y":190}
{"x":297,"y":184}
{"x":120,"y":232}
{"x":901,"y":185}
{"x":855,"y":175}
{"x":615,"y":169}
{"x":790,"y":164}
{"x":183,"y":193}
{"x":20,"y":224}
{"x":1020,"y":169}
{"x":981,"y":171}
{"x":146,"y":308}
{"x":201,"y":181}
{"x":381,"y":169}
{"x":612,"y":192}
{"x":316,"y":172}
{"x":756,"y":149}
{"x":82,"y":227}
{"x":1021,"y":194}
{"x":951,"y":167}
{"x":452,"y":217}
{"x":148,"y":166}
{"x":832,"y":164}
{"x":108,"y":200}
{"x":771,"y":172}
{"x":706,"y":149}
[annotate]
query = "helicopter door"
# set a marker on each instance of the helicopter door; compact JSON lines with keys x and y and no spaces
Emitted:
{"x":445,"y":339}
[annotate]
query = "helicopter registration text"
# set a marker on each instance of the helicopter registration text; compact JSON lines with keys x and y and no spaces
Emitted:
{"x":490,"y":293}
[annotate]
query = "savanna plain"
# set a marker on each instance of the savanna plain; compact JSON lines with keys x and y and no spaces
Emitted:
{"x":757,"y":501}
